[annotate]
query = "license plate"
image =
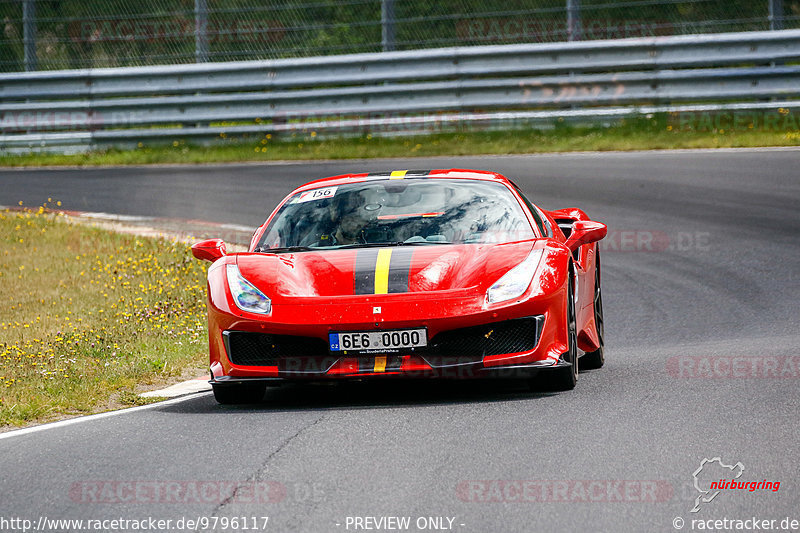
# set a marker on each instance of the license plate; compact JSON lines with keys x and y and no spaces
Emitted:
{"x":390,"y":341}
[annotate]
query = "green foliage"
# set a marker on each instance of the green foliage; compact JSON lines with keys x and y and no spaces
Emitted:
{"x":106,"y":33}
{"x":657,"y":132}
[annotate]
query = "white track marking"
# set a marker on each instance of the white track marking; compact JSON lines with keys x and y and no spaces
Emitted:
{"x":116,"y":218}
{"x":91,"y":418}
{"x":180,"y":389}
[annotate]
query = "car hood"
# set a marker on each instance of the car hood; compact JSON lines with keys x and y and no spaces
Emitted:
{"x":385,"y":270}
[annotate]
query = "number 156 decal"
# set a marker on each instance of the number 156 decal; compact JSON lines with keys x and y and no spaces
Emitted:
{"x":316,"y":194}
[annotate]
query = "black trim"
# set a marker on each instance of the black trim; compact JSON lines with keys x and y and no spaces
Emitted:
{"x":408,"y":174}
{"x":265,"y":349}
{"x":365,"y":270}
{"x":470,"y":345}
{"x":399,"y":268}
{"x":417,"y":173}
{"x":463,"y":347}
{"x":541,"y":220}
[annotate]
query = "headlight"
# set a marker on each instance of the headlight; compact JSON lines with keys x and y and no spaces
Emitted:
{"x":516,"y":281}
{"x":246,"y":296}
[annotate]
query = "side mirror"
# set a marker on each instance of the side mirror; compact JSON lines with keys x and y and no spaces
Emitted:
{"x":209,"y":250}
{"x":585,"y":232}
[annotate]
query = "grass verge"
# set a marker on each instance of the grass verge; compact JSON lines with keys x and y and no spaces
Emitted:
{"x":91,"y":316}
{"x":637,"y":134}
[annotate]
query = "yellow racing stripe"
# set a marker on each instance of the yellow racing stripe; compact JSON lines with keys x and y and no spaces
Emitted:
{"x":397,"y":174}
{"x":382,"y":271}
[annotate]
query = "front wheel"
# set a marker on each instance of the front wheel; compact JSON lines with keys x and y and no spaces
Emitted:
{"x":239,"y":393}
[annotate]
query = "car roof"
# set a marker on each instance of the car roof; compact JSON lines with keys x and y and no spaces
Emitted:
{"x":453,"y":173}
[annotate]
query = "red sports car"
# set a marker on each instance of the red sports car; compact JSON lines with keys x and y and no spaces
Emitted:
{"x":440,"y":273}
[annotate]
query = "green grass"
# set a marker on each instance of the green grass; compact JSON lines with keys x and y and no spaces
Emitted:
{"x":91,"y":317}
{"x":635,"y":134}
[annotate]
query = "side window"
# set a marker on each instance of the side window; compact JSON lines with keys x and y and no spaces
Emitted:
{"x":542,"y":223}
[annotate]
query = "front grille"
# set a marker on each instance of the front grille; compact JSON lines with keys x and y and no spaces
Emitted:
{"x":470,"y":345}
{"x":264,"y":349}
{"x":454,"y":347}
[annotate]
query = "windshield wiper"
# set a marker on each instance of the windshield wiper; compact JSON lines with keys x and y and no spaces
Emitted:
{"x":389,"y":244}
{"x":285,"y":249}
{"x":290,"y":249}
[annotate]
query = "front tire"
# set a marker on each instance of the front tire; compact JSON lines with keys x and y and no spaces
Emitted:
{"x":239,"y":393}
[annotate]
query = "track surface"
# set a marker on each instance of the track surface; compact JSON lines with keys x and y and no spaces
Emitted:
{"x":709,"y":268}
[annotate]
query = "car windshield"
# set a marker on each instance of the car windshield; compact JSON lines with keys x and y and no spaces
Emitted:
{"x":397,"y":212}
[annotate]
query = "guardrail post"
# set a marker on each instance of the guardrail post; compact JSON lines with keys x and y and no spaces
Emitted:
{"x":775,"y":14}
{"x":387,"y":25}
{"x":29,"y":34}
{"x":574,"y":27}
{"x":200,"y":31}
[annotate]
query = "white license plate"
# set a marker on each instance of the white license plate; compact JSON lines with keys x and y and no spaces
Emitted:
{"x":378,"y":341}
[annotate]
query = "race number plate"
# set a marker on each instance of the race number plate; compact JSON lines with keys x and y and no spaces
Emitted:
{"x":390,"y":341}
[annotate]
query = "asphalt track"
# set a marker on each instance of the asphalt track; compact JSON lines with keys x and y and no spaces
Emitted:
{"x":700,"y":278}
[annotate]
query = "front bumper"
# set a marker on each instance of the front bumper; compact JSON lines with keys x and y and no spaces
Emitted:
{"x":512,"y":348}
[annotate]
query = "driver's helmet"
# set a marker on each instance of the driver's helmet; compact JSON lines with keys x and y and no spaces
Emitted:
{"x":349,"y":215}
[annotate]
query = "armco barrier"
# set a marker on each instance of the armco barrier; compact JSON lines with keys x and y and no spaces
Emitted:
{"x":399,"y":91}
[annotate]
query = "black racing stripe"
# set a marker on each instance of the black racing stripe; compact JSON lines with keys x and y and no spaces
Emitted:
{"x":417,"y":173}
{"x":399,"y":267}
{"x":378,"y":174}
{"x":365,"y":271}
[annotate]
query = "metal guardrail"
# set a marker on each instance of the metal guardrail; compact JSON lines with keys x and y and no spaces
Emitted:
{"x":397,"y":91}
